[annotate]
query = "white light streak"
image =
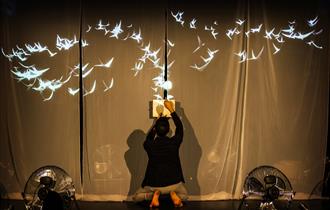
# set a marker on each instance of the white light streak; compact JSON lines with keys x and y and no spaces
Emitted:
{"x":200,"y":44}
{"x":108,"y":87}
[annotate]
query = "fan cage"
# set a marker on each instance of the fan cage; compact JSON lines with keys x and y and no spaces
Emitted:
{"x":63,"y":185}
{"x":254,"y":186}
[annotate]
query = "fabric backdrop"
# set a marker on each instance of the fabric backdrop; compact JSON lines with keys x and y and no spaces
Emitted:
{"x":260,"y":100}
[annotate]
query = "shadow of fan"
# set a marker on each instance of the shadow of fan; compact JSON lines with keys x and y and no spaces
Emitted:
{"x":321,"y":189}
{"x":4,"y":199}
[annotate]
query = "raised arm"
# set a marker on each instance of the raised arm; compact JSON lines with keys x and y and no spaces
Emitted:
{"x":150,"y":136}
{"x":177,"y":121}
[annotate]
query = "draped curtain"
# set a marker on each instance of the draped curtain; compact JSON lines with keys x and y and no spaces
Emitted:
{"x":237,"y":114}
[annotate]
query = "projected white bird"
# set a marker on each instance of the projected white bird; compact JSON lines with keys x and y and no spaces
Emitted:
{"x":298,"y":35}
{"x":20,"y":54}
{"x":269,"y":34}
{"x":253,"y":30}
{"x":89,"y":28}
{"x":8,"y":56}
{"x":192,"y":23}
{"x":30,"y":73}
{"x":37,"y":47}
{"x":239,"y":21}
{"x":312,"y":43}
{"x":136,"y":36}
{"x":137,"y":68}
{"x":289,"y":30}
{"x":318,"y":32}
{"x":292,"y":22}
{"x":64,"y":43}
{"x":242,"y":55}
{"x":52,"y":85}
{"x":170,"y":43}
{"x":91,"y":90}
{"x":73,"y":91}
{"x":116,"y":30}
{"x":84,"y":43}
{"x":178,"y":17}
{"x":313,"y":22}
{"x":105,"y":65}
{"x":85,"y":74}
{"x":280,"y":39}
{"x":212,"y":30}
{"x":108,"y":87}
{"x":231,"y":32}
{"x":276,"y":49}
{"x":102,"y":27}
{"x":256,"y":30}
{"x":207,"y":60}
{"x":254,"y":57}
{"x":150,"y":56}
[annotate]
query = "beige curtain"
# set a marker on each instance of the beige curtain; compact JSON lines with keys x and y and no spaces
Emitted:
{"x":237,"y":115}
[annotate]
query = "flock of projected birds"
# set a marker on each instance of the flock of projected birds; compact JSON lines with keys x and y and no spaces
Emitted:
{"x":32,"y":77}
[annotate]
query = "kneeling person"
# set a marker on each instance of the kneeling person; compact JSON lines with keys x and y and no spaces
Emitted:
{"x":164,"y":173}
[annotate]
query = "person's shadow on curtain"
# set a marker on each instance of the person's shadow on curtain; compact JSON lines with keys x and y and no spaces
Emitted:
{"x":190,"y":153}
{"x":136,"y":159}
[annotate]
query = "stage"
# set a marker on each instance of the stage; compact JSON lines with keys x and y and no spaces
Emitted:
{"x":191,"y":205}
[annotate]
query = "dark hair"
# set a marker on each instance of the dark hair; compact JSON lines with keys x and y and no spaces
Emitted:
{"x":162,"y":126}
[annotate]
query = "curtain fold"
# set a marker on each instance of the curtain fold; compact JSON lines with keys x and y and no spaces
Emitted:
{"x":249,"y":89}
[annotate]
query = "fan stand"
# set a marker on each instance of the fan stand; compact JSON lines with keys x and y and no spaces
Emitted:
{"x":75,"y":203}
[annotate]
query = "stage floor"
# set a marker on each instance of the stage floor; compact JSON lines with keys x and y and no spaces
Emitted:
{"x":191,"y":205}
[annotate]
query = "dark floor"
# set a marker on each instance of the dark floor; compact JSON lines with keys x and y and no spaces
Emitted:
{"x":191,"y":205}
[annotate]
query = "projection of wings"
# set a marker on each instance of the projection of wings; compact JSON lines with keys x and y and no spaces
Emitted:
{"x":34,"y":77}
